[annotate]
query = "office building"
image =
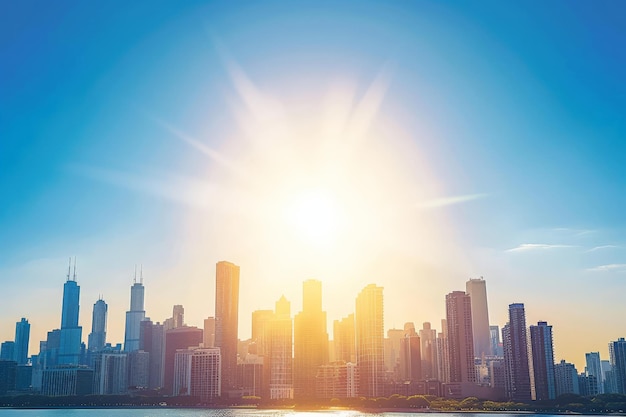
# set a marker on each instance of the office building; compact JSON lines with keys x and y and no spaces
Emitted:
{"x":410,"y":355}
{"x":98,"y":336}
{"x":428,"y":338}
{"x":566,"y":377}
{"x":543,"y":361}
{"x":7,"y":350}
{"x":496,"y":345}
{"x":617,"y":353}
{"x":175,"y":339}
{"x":310,"y":340}
{"x":278,"y":362}
{"x":67,"y":380}
{"x":226,"y":321}
{"x":22,"y":337}
{"x":460,"y":337}
{"x":344,"y":339}
{"x":71,"y":333}
{"x":477,"y":290}
{"x":209,"y":332}
{"x":594,"y":368}
{"x":369,"y":341}
{"x":134,"y":316}
{"x":515,"y":343}
{"x":443,"y":354}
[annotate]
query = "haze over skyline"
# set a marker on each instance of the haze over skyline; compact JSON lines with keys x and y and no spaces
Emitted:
{"x":354,"y":143}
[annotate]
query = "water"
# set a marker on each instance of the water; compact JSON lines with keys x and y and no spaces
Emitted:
{"x":169,"y":412}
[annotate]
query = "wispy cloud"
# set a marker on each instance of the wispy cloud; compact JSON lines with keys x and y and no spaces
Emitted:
{"x":573,"y":231}
{"x":597,"y":248}
{"x":527,"y":247}
{"x":608,"y":268}
{"x":448,"y":201}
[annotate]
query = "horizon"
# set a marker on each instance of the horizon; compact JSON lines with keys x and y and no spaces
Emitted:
{"x":414,"y":147}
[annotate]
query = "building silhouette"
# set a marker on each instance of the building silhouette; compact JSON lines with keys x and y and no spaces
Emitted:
{"x":428,"y":338}
{"x":209,"y":332}
{"x":152,"y":341}
{"x":344,"y":339}
{"x":543,"y":361}
{"x":98,"y":336}
{"x":443,"y":354}
{"x":69,"y":351}
{"x":226,"y":321}
{"x":496,"y":345}
{"x":369,"y":341}
{"x":566,"y":378}
{"x":310,"y":340}
{"x":477,"y":290}
{"x":22,"y":337}
{"x":278,"y":361}
{"x":175,"y":339}
{"x":460,"y":337}
{"x":617,"y":353}
{"x":594,"y":368}
{"x":135,"y":315}
{"x":515,"y":343}
{"x":7,"y":350}
{"x":410,"y":355}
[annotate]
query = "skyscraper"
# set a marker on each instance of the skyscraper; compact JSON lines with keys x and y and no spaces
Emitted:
{"x":98,"y":336}
{"x":543,"y":361}
{"x":594,"y":368}
{"x":410,"y":355}
{"x":496,"y":345}
{"x":515,"y":342}
{"x":71,"y":332}
{"x":226,"y":321}
{"x":566,"y":377}
{"x":278,"y":348}
{"x":178,"y":316}
{"x":477,"y":290}
{"x":443,"y":353}
{"x":179,"y":338}
{"x":369,"y":341}
{"x":428,"y":338}
{"x":22,"y":336}
{"x":460,"y":339}
{"x":310,"y":340}
{"x":134,"y":316}
{"x":344,"y":338}
{"x":617,"y":352}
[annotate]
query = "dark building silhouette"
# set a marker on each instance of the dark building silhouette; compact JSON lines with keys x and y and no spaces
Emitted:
{"x":543,"y":361}
{"x":617,"y":352}
{"x":515,"y":342}
{"x":226,"y":321}
{"x":179,"y":338}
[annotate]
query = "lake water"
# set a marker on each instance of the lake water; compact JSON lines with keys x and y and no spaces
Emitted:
{"x":168,"y":412}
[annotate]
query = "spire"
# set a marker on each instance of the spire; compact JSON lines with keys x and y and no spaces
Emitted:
{"x":141,"y":275}
{"x":69,"y":268}
{"x":74,"y":268}
{"x":135,"y":278}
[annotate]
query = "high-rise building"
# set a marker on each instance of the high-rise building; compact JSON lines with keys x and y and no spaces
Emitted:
{"x":209,"y":332}
{"x":543,"y":361}
{"x":369,"y":341}
{"x":477,"y":290}
{"x":67,"y":380}
{"x":134,"y":316}
{"x":138,"y":363}
{"x":179,"y":338}
{"x":391,"y":351}
{"x":515,"y":343}
{"x":7,"y":350}
{"x":617,"y":352}
{"x":279,"y":361}
{"x":98,"y":336}
{"x":566,"y":377}
{"x":71,"y":333}
{"x":410,"y":355}
{"x":443,"y":354}
{"x":111,"y":372}
{"x":22,"y":336}
{"x":152,"y":340}
{"x":260,"y":320}
{"x":460,"y":339}
{"x":496,"y":345}
{"x":594,"y":368}
{"x":428,"y":338}
{"x":226,"y":321}
{"x":344,"y":339}
{"x":310,"y":340}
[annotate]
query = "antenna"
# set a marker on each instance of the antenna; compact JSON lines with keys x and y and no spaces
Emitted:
{"x":135,"y":278}
{"x":69,"y":268}
{"x":74,"y":268}
{"x":141,"y":275}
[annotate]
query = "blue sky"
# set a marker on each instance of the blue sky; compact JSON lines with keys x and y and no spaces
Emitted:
{"x":518,"y":105}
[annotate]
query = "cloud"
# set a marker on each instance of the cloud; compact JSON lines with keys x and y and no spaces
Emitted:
{"x":602,"y":247}
{"x":608,"y":268}
{"x":448,"y":201}
{"x":527,"y":247}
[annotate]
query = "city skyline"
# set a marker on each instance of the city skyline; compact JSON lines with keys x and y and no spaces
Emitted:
{"x":411,"y":146}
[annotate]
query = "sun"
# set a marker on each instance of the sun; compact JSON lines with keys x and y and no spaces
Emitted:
{"x":314,"y":216}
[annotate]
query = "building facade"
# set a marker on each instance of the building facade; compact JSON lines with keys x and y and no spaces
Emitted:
{"x":226,"y":320}
{"x":477,"y":290}
{"x":460,"y":337}
{"x":515,"y":343}
{"x":543,"y":361}
{"x":369,"y":341}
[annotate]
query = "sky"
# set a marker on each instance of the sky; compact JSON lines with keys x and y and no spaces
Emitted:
{"x":412,"y":145}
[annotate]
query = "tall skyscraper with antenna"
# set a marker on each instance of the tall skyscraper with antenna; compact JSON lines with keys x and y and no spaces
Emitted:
{"x":70,"y":333}
{"x":98,"y":335}
{"x":135,"y":315}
